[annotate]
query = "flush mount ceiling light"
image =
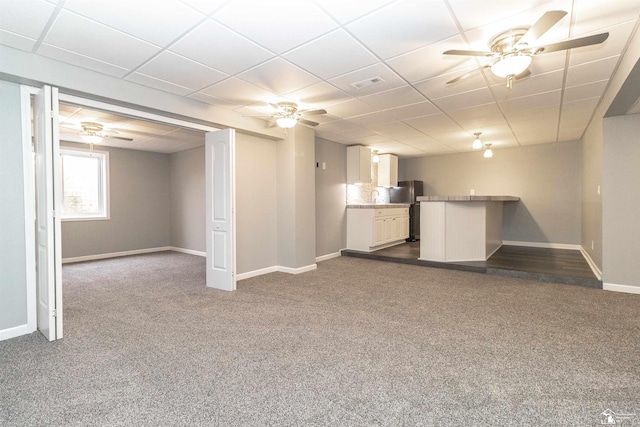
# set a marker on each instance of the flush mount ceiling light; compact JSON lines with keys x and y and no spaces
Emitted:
{"x":488,"y":153}
{"x":286,"y":122}
{"x":477,"y":144}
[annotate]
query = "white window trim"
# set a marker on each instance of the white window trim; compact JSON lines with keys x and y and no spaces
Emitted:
{"x":105,"y":177}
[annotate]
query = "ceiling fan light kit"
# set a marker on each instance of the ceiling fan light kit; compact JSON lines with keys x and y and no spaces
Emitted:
{"x":512,"y":51}
{"x":287,"y":115}
{"x":477,"y":144}
{"x":286,"y":122}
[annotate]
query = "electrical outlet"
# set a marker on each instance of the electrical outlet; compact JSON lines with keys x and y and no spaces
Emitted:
{"x":598,"y":190}
{"x":324,"y":165}
{"x":592,"y":245}
{"x":472,"y":192}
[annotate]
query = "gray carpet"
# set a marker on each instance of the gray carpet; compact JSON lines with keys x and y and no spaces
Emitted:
{"x":355,"y":343}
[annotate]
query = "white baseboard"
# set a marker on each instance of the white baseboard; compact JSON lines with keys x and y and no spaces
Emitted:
{"x":328,"y":256}
{"x":255,"y":273}
{"x":115,"y":254}
{"x":542,"y":245}
{"x":592,"y":264}
{"x":621,"y":288}
{"x":299,"y":270}
{"x":16,"y":331}
{"x":276,"y":268}
{"x":188,"y":251}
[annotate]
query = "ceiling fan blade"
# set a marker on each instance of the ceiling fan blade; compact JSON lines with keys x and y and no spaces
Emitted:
{"x":468,"y":74}
{"x":308,"y":122}
{"x":312,"y":112}
{"x":522,"y":75}
{"x":573,"y":43}
{"x":543,"y":25}
{"x":467,"y":52}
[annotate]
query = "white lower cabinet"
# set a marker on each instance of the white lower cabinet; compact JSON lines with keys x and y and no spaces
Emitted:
{"x":372,"y":228}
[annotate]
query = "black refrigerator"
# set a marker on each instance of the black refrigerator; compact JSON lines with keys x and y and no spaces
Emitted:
{"x":406,"y":192}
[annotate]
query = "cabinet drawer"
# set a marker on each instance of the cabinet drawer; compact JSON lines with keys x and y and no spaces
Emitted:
{"x":391,"y":212}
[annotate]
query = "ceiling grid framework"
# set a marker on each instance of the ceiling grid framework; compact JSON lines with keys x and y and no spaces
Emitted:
{"x":244,"y":55}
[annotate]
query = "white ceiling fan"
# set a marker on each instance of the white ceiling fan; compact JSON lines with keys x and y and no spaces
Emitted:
{"x":94,"y":132}
{"x":513,"y":50}
{"x":287,"y":115}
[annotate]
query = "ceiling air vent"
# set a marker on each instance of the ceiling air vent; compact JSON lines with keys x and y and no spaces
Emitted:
{"x":367,"y":82}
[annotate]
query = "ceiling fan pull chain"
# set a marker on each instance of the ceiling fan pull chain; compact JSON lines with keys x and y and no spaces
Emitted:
{"x":510,"y":81}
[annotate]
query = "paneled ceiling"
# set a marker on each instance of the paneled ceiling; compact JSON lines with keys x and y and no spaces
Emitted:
{"x":244,"y":54}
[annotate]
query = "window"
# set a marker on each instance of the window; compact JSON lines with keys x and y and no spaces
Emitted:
{"x":85,"y":184}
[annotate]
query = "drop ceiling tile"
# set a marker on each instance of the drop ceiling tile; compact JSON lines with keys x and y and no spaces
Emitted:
{"x":218,"y":47}
{"x":301,"y":18}
{"x":205,"y":6}
{"x":372,"y":139}
{"x":278,"y":76}
{"x":428,"y":61}
{"x":570,"y":134}
{"x":435,"y":148}
{"x":590,"y":16}
{"x":212,"y":100}
{"x":434,"y":124}
{"x":26,"y":18}
{"x":320,"y":95}
{"x":414,"y":110}
{"x":533,"y":120}
{"x":158,"y":84}
{"x":346,"y":11}
{"x":531,"y":102}
{"x":473,"y":14}
{"x":393,"y":98}
{"x":589,"y":90}
{"x":238,"y":91}
{"x":401,"y":27}
{"x":531,"y":85}
{"x":336,"y":127}
{"x":389,"y":80}
{"x":591,"y":71}
{"x":16,"y":41}
{"x":80,"y":35}
{"x":437,"y":87}
{"x":353,"y":134}
{"x":397,"y":130}
{"x":406,"y":152}
{"x":390,"y":147}
{"x":144,"y":19}
{"x":352,"y":54}
{"x":81,"y":60}
{"x":181,"y":71}
{"x":350,"y":108}
{"x":578,"y":113}
{"x":372,"y":119}
{"x":468,"y":99}
{"x":618,"y":36}
{"x":459,"y":140}
{"x":478,"y":117}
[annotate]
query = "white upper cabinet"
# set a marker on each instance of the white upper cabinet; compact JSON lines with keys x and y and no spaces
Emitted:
{"x":388,"y":170}
{"x":358,"y":165}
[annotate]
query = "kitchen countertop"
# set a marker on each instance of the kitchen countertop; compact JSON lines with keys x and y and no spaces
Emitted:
{"x":377,"y":205}
{"x":467,"y":199}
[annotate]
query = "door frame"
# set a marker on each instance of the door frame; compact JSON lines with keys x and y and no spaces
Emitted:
{"x":116,"y":109}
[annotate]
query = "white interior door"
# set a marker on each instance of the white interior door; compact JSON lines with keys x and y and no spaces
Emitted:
{"x":220,"y":198}
{"x":48,"y":247}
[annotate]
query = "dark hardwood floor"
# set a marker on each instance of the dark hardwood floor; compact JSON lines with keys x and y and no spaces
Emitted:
{"x":549,"y":265}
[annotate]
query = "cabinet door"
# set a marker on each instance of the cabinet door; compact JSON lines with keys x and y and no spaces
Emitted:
{"x":378,"y":231}
{"x":404,"y":227}
{"x":389,"y":229}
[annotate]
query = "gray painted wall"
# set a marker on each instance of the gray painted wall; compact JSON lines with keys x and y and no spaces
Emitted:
{"x":13,"y":267}
{"x":256,"y":203}
{"x":546,"y":177}
{"x":139,"y":205}
{"x":296,"y":198}
{"x":331,"y":219}
{"x":620,"y":224}
{"x":186,"y":171}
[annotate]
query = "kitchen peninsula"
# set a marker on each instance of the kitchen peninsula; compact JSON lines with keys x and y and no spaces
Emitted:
{"x":461,"y":228}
